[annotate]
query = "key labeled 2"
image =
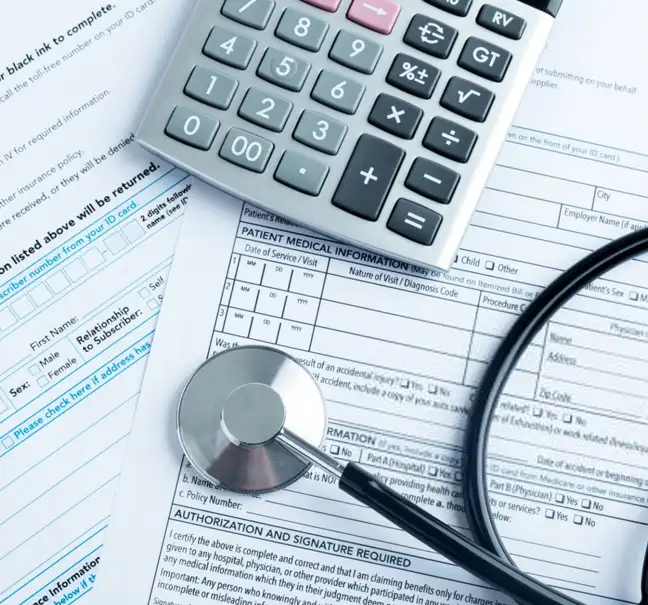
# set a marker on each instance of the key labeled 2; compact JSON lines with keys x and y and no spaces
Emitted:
{"x":265,"y":110}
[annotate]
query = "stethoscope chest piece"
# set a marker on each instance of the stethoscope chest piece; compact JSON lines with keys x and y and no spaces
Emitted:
{"x":234,"y":406}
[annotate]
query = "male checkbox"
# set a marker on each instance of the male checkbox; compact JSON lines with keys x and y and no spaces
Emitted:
{"x":634,"y":296}
{"x":35,"y":369}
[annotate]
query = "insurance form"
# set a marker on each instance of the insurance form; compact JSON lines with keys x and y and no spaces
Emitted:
{"x":398,"y":352}
{"x":88,"y":223}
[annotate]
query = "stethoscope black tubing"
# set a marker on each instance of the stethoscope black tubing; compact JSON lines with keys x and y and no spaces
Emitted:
{"x":460,"y":549}
{"x":536,"y":315}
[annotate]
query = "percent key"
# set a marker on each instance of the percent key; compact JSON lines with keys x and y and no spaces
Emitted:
{"x":413,"y":76}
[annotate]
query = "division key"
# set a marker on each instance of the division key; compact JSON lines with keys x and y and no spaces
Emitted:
{"x":368,"y":177}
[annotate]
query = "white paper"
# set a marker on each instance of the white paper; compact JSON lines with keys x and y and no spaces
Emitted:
{"x":88,"y":223}
{"x":398,"y":352}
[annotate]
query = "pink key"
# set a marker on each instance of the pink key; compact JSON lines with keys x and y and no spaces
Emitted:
{"x":327,"y":5}
{"x":379,"y":15}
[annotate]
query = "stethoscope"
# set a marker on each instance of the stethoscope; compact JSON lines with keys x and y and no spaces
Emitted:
{"x":252,"y":419}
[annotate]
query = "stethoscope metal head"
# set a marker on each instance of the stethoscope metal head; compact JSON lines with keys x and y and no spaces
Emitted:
{"x":233,"y":410}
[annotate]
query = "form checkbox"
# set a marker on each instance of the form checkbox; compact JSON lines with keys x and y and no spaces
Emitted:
{"x":23,"y":307}
{"x":537,"y":412}
{"x":115,"y":243}
{"x":335,"y":449}
{"x":35,"y":369}
{"x":458,"y":475}
{"x":567,"y":418}
{"x":7,"y":442}
{"x":433,"y":472}
{"x":7,"y":319}
{"x":58,"y":282}
{"x":578,"y":519}
{"x":634,"y":296}
{"x":153,"y":304}
{"x":586,"y":503}
{"x":42,"y":381}
{"x":145,"y":293}
{"x":550,"y":513}
{"x":40,"y":294}
{"x":75,"y":270}
{"x":560,"y":498}
{"x":133,"y":231}
{"x":490,"y":265}
{"x":93,"y":258}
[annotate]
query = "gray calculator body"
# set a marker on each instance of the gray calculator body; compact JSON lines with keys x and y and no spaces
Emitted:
{"x":374,"y":122}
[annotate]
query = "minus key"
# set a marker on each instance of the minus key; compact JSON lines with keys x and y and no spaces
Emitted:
{"x":432,"y":180}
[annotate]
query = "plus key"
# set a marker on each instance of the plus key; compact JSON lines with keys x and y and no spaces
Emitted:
{"x":368,"y":177}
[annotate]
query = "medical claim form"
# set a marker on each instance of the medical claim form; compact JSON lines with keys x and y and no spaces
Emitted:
{"x":88,"y":223}
{"x":398,"y":352}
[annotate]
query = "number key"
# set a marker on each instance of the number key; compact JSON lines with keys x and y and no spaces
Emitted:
{"x":356,"y":52}
{"x":253,"y":13}
{"x":338,"y":92}
{"x":268,"y":111}
{"x":229,"y":48}
{"x":320,"y":132}
{"x":297,"y":28}
{"x":193,"y":128}
{"x":283,"y":70}
{"x":246,"y":150}
{"x":211,"y":87}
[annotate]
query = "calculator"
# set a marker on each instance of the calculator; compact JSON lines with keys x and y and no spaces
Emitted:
{"x":372,"y":122}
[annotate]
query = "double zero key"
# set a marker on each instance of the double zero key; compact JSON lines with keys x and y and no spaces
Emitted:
{"x":369,"y":177}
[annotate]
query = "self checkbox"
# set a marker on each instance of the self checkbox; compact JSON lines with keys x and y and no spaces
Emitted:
{"x":634,"y":296}
{"x":490,"y":265}
{"x":550,"y":513}
{"x":145,"y":293}
{"x":578,"y":519}
{"x":35,"y":369}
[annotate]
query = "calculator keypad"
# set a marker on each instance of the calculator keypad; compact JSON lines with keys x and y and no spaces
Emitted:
{"x":229,"y":48}
{"x":323,"y":99}
{"x":302,"y":30}
{"x":253,"y":13}
{"x":431,"y":36}
{"x":287,"y":71}
{"x":266,"y":110}
{"x":320,"y":132}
